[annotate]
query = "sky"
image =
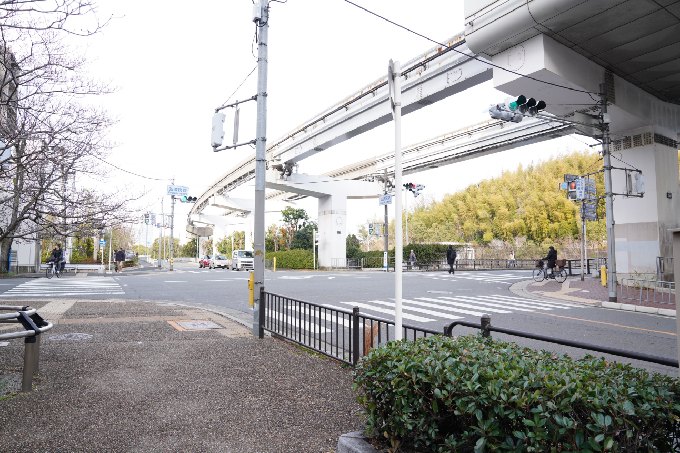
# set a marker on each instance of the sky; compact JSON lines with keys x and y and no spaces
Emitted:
{"x":173,"y":63}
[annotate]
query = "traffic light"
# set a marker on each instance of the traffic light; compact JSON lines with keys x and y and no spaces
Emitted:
{"x":188,"y":199}
{"x":531,"y":107}
{"x":146,"y":218}
{"x":415,"y":188}
{"x":370,"y":228}
{"x":410,"y":186}
{"x":515,"y":105}
{"x":571,"y":190}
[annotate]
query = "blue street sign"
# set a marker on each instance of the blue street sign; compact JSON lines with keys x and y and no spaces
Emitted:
{"x":385,"y":199}
{"x":580,"y":189}
{"x":102,"y":242}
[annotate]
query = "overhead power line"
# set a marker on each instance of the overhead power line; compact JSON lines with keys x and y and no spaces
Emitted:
{"x":474,"y":57}
{"x":244,"y":81}
{"x":135,"y":174}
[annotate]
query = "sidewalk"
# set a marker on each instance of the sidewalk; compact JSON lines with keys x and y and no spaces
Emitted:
{"x":145,"y":381}
{"x":591,"y":292}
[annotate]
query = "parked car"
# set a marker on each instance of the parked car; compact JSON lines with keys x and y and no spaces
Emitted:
{"x":219,"y":261}
{"x":204,"y":262}
{"x":241,"y":259}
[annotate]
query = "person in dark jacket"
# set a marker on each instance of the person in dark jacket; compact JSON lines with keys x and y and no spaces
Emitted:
{"x":451,"y":258}
{"x":551,"y":258}
{"x":120,"y":259}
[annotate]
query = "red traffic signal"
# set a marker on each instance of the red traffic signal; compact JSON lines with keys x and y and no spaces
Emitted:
{"x":572,"y":185}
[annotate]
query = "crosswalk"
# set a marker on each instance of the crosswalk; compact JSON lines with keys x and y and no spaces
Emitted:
{"x":486,"y":277}
{"x":429,"y":309}
{"x":65,"y":287}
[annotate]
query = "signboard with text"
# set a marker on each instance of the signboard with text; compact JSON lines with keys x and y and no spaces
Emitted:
{"x":178,"y":190}
{"x":385,"y":199}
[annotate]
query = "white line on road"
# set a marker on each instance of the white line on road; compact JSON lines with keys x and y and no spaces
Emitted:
{"x":389,"y":312}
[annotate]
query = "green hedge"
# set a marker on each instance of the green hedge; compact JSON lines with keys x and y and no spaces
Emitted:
{"x":292,"y":259}
{"x":469,"y":394}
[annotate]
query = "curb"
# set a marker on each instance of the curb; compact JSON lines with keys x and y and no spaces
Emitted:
{"x":355,"y":442}
{"x":519,"y":289}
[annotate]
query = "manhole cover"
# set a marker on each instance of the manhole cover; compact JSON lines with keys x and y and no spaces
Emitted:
{"x":71,"y":336}
{"x":198,"y":325}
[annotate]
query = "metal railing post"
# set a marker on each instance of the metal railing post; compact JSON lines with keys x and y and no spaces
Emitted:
{"x":29,"y":362}
{"x":485,"y":323}
{"x":261,"y":313}
{"x":355,"y":335}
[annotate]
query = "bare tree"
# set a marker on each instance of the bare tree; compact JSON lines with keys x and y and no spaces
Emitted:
{"x":51,"y":138}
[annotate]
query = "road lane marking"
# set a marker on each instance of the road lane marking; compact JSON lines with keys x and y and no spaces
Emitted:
{"x":608,"y":323}
{"x":390,"y":312}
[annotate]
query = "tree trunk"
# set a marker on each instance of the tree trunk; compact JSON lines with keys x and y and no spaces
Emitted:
{"x":5,"y":247}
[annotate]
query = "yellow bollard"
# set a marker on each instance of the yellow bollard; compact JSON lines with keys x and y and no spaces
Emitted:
{"x":274,"y":264}
{"x":251,"y":289}
{"x":603,"y":275}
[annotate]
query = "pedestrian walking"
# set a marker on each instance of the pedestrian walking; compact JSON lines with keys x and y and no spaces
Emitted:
{"x":120,"y":259}
{"x":412,"y":259}
{"x":511,"y":259}
{"x":451,"y":258}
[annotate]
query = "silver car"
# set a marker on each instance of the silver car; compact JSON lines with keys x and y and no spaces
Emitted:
{"x":219,"y":261}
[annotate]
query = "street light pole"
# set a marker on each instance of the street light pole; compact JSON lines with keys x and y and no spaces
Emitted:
{"x":172,"y":226}
{"x":398,"y":239}
{"x":609,"y":199}
{"x":260,"y":162}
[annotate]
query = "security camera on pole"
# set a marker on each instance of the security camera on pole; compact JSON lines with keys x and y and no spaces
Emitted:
{"x":394,"y":83}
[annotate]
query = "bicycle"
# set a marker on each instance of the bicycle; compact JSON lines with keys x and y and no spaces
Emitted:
{"x":541,"y":273}
{"x":54,"y":269}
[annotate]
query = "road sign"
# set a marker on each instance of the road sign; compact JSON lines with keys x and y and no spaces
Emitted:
{"x":178,"y":190}
{"x":580,"y":189}
{"x":102,"y":242}
{"x":153,"y":219}
{"x":385,"y":199}
{"x":569,"y":178}
{"x":590,"y":182}
{"x":564,"y":186}
{"x":591,"y":190}
{"x":590,"y":216}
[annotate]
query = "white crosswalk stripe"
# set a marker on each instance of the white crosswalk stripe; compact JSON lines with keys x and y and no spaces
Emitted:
{"x":65,"y":287}
{"x":487,"y":277}
{"x":448,"y":307}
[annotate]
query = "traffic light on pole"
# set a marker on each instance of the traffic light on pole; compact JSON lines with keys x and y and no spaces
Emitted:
{"x":571,"y":190}
{"x":146,"y":218}
{"x":531,"y":107}
{"x":188,"y":199}
{"x":370,"y":228}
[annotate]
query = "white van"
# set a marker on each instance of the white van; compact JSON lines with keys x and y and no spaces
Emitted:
{"x":242,"y":259}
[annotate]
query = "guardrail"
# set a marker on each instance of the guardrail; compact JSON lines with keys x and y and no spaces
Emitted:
{"x":633,"y":289}
{"x":34,"y":325}
{"x":349,"y":335}
{"x":486,"y":328}
{"x":341,"y":334}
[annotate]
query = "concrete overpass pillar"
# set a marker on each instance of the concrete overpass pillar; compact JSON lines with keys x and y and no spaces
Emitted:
{"x":332,"y":228}
{"x":642,"y":224}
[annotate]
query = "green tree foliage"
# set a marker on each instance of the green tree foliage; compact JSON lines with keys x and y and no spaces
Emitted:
{"x":526,"y":202}
{"x":292,"y":259}
{"x":353,"y":245}
{"x":304,"y":236}
{"x":297,"y":232}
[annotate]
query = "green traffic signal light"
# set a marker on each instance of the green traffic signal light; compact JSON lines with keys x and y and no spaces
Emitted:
{"x":184,"y":199}
{"x":520,"y":101}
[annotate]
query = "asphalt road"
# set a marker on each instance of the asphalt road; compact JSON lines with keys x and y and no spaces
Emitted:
{"x":431,"y":299}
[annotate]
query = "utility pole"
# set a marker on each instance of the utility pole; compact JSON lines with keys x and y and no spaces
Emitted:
{"x":172,"y":227}
{"x":398,"y":239}
{"x":406,"y":209}
{"x":160,"y":237}
{"x":146,"y":239}
{"x":260,"y":162}
{"x":583,"y":239}
{"x":609,"y":199}
{"x":386,"y":260}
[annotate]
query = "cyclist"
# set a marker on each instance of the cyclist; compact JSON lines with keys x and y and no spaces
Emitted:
{"x":551,"y":258}
{"x":56,"y":256}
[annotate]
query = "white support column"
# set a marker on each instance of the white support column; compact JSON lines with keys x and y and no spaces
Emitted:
{"x":642,"y":224}
{"x":332,"y":229}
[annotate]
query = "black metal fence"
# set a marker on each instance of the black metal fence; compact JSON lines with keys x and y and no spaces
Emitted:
{"x":494,"y":264}
{"x":349,"y":335}
{"x":341,"y":334}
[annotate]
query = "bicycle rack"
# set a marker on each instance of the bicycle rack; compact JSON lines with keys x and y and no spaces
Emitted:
{"x":34,"y":325}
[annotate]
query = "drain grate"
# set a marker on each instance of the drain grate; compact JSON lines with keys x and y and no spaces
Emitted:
{"x":71,"y":336}
{"x":198,"y":325}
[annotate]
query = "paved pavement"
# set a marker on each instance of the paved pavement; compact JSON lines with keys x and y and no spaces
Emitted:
{"x":140,"y":379}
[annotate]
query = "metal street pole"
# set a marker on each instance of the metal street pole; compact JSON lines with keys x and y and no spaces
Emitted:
{"x":172,"y":227}
{"x":398,"y":240}
{"x":260,"y":162}
{"x":386,"y":261}
{"x":146,"y":239}
{"x":609,"y":200}
{"x":583,"y":239}
{"x":406,"y":209}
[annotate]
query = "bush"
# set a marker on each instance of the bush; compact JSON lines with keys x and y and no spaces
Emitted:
{"x":426,"y":252}
{"x":292,"y":259}
{"x":470,"y":394}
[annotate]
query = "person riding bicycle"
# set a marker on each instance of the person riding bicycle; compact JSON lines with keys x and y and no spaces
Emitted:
{"x":56,"y":256}
{"x":551,"y":258}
